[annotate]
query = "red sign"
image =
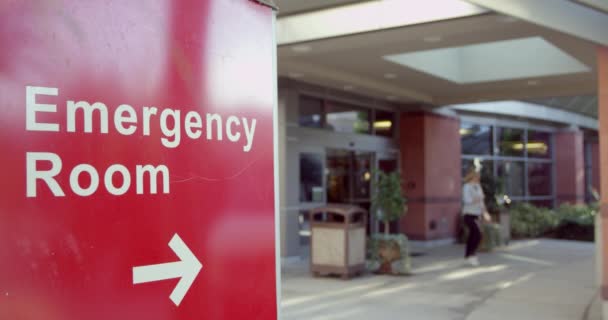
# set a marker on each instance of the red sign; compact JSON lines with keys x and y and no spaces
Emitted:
{"x":137,"y":160}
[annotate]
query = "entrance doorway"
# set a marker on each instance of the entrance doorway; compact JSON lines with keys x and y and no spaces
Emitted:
{"x":331,"y":175}
{"x":349,"y":176}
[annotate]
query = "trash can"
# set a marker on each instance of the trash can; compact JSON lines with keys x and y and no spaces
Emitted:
{"x":338,"y":240}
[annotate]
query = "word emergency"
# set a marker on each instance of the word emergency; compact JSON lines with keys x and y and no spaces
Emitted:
{"x":127,"y":121}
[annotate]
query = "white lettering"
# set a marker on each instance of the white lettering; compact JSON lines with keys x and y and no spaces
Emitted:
{"x":148,"y":112}
{"x":32,"y":174}
{"x":87,"y":109}
{"x":120,"y":119}
{"x":232,"y":137}
{"x":126,"y":179}
{"x":75,"y":183}
{"x":173,"y":132}
{"x":153,"y":173}
{"x":31,"y":108}
{"x":249,"y":133}
{"x":218,"y":123}
{"x":193,"y":120}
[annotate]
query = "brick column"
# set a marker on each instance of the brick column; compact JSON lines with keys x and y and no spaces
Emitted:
{"x":569,"y":167}
{"x":603,"y":132}
{"x":430,"y":159}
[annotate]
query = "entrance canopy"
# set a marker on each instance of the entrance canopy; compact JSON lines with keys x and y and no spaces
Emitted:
{"x":444,"y":52}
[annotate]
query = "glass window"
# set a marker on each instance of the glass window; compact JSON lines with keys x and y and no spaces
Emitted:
{"x":304,"y":227}
{"x":310,"y":112}
{"x":311,"y":177}
{"x":384,"y":123}
{"x":363,"y":173}
{"x":539,"y":179}
{"x":346,"y":118}
{"x":338,"y":176}
{"x":542,"y":203}
{"x":511,"y":175}
{"x":539,"y":144}
{"x":510,"y":142}
{"x":476,"y":139}
{"x":486,"y":167}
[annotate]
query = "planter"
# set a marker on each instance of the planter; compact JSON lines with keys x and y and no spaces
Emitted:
{"x":389,"y":254}
{"x":504,"y":220}
{"x":492,"y":235}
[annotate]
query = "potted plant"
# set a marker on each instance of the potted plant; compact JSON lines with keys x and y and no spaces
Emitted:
{"x":389,"y":252}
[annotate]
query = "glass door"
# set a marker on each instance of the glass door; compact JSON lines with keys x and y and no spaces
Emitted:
{"x":311,"y":189}
{"x":349,"y":175}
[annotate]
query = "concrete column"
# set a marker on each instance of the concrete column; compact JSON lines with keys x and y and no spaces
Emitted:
{"x":569,"y":166}
{"x":603,"y":136}
{"x":431,"y":169}
{"x":288,"y":175}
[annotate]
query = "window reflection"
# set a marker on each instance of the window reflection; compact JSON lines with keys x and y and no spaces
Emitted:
{"x":310,"y":112}
{"x":349,"y":176}
{"x":311,"y":177}
{"x":476,"y":139}
{"x":483,"y":166}
{"x":346,"y":118}
{"x":524,"y":170}
{"x":304,"y":227}
{"x":384,"y":123}
{"x":511,"y":173}
{"x":510,"y":142}
{"x":539,"y":179}
{"x":343,"y":117}
{"x":548,"y":203}
{"x":539,"y":144}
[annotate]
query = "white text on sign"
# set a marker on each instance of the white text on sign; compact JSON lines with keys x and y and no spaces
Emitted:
{"x":127,"y":121}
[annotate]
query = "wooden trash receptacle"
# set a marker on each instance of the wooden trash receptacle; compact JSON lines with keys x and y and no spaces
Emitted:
{"x":338,"y":240}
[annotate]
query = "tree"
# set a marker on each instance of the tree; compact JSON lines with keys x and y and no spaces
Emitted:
{"x":388,"y":201}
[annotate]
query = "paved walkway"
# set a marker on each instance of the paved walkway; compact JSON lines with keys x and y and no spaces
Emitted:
{"x":536,"y":279}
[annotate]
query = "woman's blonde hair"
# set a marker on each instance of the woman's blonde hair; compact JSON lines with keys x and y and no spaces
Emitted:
{"x":472,"y":174}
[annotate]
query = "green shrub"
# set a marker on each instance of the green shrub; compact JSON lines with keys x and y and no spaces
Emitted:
{"x":528,"y":221}
{"x":576,"y":214}
{"x":572,"y":222}
{"x":576,"y":222}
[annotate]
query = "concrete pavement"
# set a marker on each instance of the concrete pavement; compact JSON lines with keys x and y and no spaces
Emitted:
{"x":535,"y":279}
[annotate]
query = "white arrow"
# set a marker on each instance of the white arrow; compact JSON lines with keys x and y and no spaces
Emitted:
{"x":187,"y":269}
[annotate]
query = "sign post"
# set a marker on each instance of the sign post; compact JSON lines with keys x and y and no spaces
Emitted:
{"x":126,"y":126}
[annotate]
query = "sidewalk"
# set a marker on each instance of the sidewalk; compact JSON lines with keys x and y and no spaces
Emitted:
{"x":536,"y":279}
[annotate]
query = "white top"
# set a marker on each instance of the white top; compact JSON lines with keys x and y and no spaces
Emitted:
{"x":472,"y":199}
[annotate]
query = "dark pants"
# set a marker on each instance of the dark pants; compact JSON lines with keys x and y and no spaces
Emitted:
{"x":471,"y":221}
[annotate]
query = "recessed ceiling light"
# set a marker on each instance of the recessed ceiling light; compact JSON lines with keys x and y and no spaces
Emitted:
{"x":390,"y":76}
{"x":301,"y":48}
{"x":533,"y":82}
{"x":348,"y":87}
{"x":295,"y":75}
{"x":391,"y":98}
{"x":432,"y":39}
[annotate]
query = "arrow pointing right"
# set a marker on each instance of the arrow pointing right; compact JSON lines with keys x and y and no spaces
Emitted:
{"x":187,"y":269}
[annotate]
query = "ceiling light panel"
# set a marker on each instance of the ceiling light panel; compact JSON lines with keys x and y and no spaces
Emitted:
{"x":492,"y":61}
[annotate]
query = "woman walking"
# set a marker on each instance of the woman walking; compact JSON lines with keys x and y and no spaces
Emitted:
{"x":473,"y":209}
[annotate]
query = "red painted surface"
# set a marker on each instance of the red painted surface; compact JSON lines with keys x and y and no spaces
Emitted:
{"x":430,"y":158}
{"x":569,"y":167}
{"x":71,"y":257}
